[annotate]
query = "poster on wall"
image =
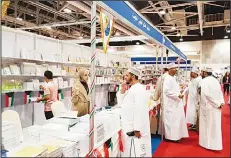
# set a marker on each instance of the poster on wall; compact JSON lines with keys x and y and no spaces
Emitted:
{"x":106,"y":23}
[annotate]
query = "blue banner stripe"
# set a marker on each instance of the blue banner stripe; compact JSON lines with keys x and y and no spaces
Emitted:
{"x":153,"y":59}
{"x":181,"y":63}
{"x":121,"y":8}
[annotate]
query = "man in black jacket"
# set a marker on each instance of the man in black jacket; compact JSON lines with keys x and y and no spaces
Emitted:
{"x":226,"y":83}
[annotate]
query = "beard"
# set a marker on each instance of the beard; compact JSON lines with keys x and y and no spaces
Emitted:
{"x":129,"y":81}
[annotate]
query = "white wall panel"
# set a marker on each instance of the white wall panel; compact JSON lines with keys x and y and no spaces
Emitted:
{"x":8,"y":44}
{"x":24,"y":42}
{"x":86,"y":52}
{"x":189,"y":48}
{"x":216,"y":52}
{"x":70,"y":49}
{"x":46,"y":46}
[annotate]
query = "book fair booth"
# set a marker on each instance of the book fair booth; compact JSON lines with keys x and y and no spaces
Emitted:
{"x":25,"y":57}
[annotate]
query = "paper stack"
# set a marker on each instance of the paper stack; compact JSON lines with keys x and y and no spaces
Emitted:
{"x":11,"y":134}
{"x":53,"y":150}
{"x":28,"y":85}
{"x":28,"y":150}
{"x":54,"y":127}
{"x":64,"y":120}
{"x":32,"y":134}
{"x":81,"y":140}
{"x":68,"y":147}
{"x":84,"y":119}
{"x":14,"y":69}
{"x":81,"y":128}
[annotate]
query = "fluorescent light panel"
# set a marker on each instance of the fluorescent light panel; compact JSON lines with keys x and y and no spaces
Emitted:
{"x":19,"y":18}
{"x":66,"y":10}
{"x":162,"y":12}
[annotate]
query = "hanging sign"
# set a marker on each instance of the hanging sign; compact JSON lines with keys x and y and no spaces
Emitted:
{"x":106,"y":23}
{"x":5,"y":5}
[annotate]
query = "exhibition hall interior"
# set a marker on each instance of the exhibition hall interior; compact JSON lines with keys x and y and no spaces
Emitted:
{"x":115,"y":78}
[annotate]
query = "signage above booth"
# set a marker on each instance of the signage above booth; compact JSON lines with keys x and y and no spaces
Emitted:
{"x":135,"y":19}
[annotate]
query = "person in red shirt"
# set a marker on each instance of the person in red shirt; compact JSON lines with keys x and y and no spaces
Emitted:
{"x":226,"y":83}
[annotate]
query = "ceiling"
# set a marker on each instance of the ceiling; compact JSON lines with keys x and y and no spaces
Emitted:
{"x":187,"y":25}
{"x":183,"y":15}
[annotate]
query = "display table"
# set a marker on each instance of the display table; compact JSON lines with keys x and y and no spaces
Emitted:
{"x":58,"y":137}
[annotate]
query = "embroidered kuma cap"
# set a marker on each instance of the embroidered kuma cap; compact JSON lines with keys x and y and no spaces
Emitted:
{"x":172,"y":65}
{"x":195,"y":70}
{"x":134,"y":71}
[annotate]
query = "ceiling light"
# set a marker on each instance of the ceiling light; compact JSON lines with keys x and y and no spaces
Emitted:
{"x":181,"y":39}
{"x":228,"y":31}
{"x":19,"y":18}
{"x":137,"y":43}
{"x":178,"y":34}
{"x":66,"y":10}
{"x":48,"y":27}
{"x":226,"y":37}
{"x":162,"y":12}
{"x":31,"y":15}
{"x":173,"y":28}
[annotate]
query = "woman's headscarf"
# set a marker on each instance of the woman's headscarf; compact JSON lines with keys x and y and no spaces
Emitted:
{"x":80,"y":76}
{"x":81,"y":73}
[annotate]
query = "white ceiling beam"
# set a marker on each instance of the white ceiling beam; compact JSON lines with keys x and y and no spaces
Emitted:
{"x":113,"y":39}
{"x":56,"y":25}
{"x":149,"y":7}
{"x":200,"y":15}
{"x":197,"y":27}
{"x":180,"y":35}
{"x":64,"y":5}
{"x":174,"y":20}
{"x":173,"y":12}
{"x":155,"y":9}
{"x":173,"y":6}
{"x":208,"y":3}
{"x":29,"y":24}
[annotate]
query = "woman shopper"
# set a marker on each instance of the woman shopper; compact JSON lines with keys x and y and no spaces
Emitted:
{"x":226,"y":83}
{"x":80,"y":90}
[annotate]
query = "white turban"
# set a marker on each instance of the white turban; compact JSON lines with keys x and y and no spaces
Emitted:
{"x":165,"y":66}
{"x":172,"y":65}
{"x":134,"y":71}
{"x":195,"y":70}
{"x":215,"y":74}
{"x":206,"y":69}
